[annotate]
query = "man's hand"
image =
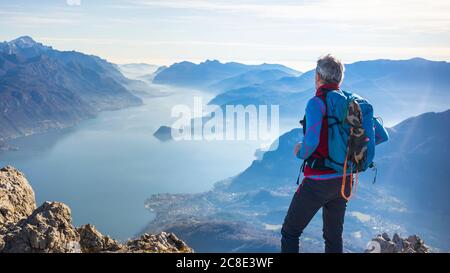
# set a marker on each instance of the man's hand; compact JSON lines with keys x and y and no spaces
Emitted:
{"x":297,"y":148}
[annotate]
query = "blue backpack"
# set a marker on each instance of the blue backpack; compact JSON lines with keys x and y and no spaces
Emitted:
{"x":351,"y":132}
{"x":351,"y":137}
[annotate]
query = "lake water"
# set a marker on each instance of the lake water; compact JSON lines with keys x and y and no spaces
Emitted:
{"x":106,"y":167}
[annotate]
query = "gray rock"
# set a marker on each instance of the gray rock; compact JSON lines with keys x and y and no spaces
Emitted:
{"x":92,"y":241}
{"x":413,"y":244}
{"x":16,"y":196}
{"x":385,"y":236}
{"x":47,"y":230}
{"x":162,"y":242}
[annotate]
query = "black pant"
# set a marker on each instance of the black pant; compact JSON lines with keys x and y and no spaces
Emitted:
{"x":309,"y":198}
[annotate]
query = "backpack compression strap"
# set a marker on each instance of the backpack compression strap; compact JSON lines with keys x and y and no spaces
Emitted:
{"x":344,"y":176}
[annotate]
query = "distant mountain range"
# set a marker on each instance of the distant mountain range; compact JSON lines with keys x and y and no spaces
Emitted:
{"x":213,"y":75}
{"x":252,"y":77}
{"x":43,"y":88}
{"x":412,"y":181}
{"x":397,"y":89}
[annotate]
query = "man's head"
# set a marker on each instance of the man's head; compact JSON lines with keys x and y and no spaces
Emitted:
{"x":329,"y":69}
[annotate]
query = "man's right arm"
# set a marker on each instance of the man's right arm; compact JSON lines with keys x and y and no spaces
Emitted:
{"x":315,"y":110}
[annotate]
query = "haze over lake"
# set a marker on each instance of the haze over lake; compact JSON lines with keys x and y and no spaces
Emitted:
{"x":106,"y":167}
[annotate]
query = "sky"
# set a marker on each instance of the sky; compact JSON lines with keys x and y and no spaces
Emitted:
{"x":293,"y":33}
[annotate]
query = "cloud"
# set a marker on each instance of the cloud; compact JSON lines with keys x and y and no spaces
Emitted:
{"x":73,"y":2}
{"x":357,"y":234}
{"x":419,"y":16}
{"x":297,"y":55}
{"x":25,"y":19}
{"x":292,"y":32}
{"x":361,"y":216}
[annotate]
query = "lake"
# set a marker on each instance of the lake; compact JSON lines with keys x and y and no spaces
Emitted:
{"x":104,"y":168}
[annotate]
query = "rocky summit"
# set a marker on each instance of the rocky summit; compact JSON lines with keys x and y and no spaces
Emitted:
{"x":49,"y":229}
{"x":384,"y":244}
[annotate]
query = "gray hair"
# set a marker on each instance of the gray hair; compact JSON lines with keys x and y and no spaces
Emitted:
{"x":330,"y":69}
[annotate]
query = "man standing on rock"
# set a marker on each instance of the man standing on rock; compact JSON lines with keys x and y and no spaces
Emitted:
{"x":340,"y":134}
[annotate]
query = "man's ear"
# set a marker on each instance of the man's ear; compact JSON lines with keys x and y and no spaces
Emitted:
{"x":317,"y":77}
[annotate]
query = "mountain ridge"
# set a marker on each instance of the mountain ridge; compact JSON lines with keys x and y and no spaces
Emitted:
{"x":387,"y":84}
{"x":42,"y":88}
{"x":205,"y":74}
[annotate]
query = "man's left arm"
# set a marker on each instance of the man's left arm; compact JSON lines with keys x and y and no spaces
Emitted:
{"x":381,"y":135}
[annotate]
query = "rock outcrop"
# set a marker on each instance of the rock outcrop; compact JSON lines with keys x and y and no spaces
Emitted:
{"x":162,"y":242}
{"x":384,"y":244}
{"x":16,"y":199}
{"x":92,"y":241}
{"x":16,"y":196}
{"x":49,"y":229}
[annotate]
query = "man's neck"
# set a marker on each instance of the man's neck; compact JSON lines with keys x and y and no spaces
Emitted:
{"x":328,"y":86}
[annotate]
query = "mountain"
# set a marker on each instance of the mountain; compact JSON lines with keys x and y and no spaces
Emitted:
{"x":42,"y":88}
{"x":207,"y":73}
{"x":387,"y":84}
{"x":252,"y":77}
{"x":159,"y":70}
{"x":48,"y":228}
{"x":410,"y":195}
{"x":414,"y":163}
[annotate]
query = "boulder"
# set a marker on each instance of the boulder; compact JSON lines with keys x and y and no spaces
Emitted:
{"x":162,"y":242}
{"x":47,"y":230}
{"x":92,"y":241}
{"x":16,"y":196}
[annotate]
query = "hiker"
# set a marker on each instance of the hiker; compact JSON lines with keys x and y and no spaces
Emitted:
{"x":339,"y":141}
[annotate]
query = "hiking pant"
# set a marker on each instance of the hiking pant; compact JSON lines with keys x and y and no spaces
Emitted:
{"x":308,"y":199}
